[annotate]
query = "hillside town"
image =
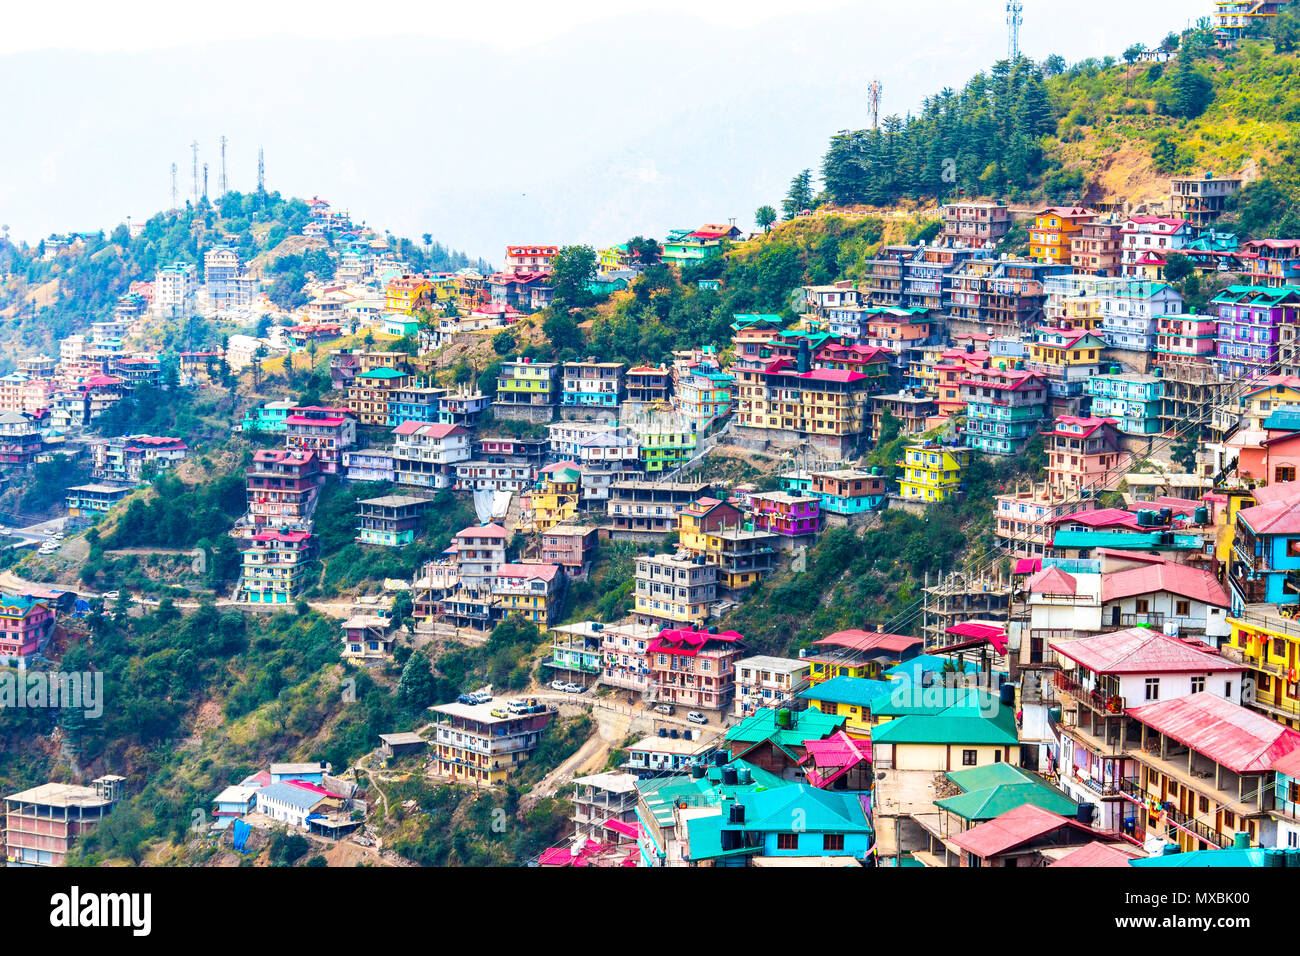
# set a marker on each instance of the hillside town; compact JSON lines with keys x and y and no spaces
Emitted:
{"x":1107,"y":674}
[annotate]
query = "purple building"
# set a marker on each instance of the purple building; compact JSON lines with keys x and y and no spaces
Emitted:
{"x":1250,"y":327}
{"x":780,"y":513}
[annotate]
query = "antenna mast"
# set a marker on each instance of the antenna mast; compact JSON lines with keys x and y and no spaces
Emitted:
{"x":223,"y":164}
{"x":261,"y":171}
{"x":874,"y":90}
{"x":194,"y":147}
{"x":1015,"y":17}
{"x":173,"y":185}
{"x":205,"y":181}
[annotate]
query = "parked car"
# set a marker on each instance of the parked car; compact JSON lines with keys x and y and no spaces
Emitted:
{"x":696,"y":717}
{"x":573,"y":689}
{"x":558,"y":685}
{"x":482,"y":697}
{"x":112,"y":595}
{"x":500,"y":712}
{"x":467,"y":699}
{"x":664,"y":708}
{"x":524,"y":706}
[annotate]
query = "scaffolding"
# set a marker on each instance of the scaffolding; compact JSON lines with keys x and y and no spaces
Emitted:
{"x":960,"y":596}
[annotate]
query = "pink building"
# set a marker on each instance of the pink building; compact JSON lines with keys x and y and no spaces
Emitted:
{"x":1084,"y":454}
{"x":24,"y":626}
{"x":695,"y":668}
{"x":571,"y":547}
{"x":780,"y":513}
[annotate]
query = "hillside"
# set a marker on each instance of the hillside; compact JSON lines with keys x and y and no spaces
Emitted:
{"x":1103,"y":132}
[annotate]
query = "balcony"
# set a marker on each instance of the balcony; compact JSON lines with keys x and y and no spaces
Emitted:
{"x":1099,"y":700}
{"x":1129,"y":786}
{"x":1154,"y":620}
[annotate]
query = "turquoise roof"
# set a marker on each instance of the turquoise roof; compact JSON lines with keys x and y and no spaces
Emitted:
{"x":1125,"y":540}
{"x":956,"y":726}
{"x":1239,"y":859}
{"x":901,"y":700}
{"x":924,"y":663}
{"x":856,"y":691}
{"x":836,"y":811}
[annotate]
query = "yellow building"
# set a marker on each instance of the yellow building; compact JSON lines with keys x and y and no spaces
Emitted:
{"x":470,"y":744}
{"x":408,"y":294}
{"x":554,"y":499}
{"x":932,"y":472}
{"x":607,"y":259}
{"x":1270,"y":647}
{"x":848,"y":697}
{"x":1054,"y":231}
{"x":1065,"y":348}
{"x":711,"y":529}
{"x":1083,"y":313}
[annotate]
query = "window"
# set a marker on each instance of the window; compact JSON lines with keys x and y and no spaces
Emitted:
{"x":833,"y":841}
{"x":1204,"y":805}
{"x":1153,"y":688}
{"x":1182,"y":608}
{"x":1198,"y":685}
{"x":787,"y":841}
{"x":1227,"y":689}
{"x":968,"y":758}
{"x":1142,"y":605}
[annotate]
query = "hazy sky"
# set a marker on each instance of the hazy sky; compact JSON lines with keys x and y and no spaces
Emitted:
{"x":491,"y":122}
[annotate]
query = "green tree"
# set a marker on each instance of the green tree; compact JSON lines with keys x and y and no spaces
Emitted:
{"x":800,"y":196}
{"x":573,"y":270}
{"x":504,"y":342}
{"x":764,"y":216}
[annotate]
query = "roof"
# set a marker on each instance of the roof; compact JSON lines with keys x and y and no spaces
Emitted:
{"x":295,"y":795}
{"x":1013,"y":829}
{"x":1227,"y":733}
{"x":993,"y":802}
{"x":1141,"y":650}
{"x":538,"y":572}
{"x":483,"y":531}
{"x":60,"y":795}
{"x":1052,"y":580}
{"x":1274,"y":517}
{"x":1236,"y":859}
{"x":688,"y":642}
{"x":956,"y":726}
{"x":1096,"y":854}
{"x":805,"y":725}
{"x":855,"y":691}
{"x":869,"y":641}
{"x":828,"y":760}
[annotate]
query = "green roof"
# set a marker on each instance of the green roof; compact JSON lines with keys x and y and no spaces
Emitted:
{"x":995,"y":801}
{"x":956,"y":726}
{"x":905,"y":699}
{"x":989,"y":775}
{"x":810,"y":724}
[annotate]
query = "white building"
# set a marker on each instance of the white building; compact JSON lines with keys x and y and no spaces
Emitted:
{"x":762,"y":680}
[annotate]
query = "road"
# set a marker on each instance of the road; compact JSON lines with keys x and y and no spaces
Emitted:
{"x":33,"y":535}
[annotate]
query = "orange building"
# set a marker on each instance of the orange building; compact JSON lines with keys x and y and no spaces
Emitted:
{"x":1052,"y":237}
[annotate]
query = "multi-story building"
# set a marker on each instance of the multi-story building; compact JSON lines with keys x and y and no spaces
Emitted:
{"x":1003,"y":409}
{"x":1268,"y":645}
{"x":714,"y":530}
{"x":553,"y":499}
{"x":1024,"y":517}
{"x":1131,"y":312}
{"x":1132,"y":399}
{"x":174,"y":288}
{"x":673,"y":591}
{"x":1066,"y":357}
{"x":371,"y":392}
{"x":1053,"y":231}
{"x":95,"y":498}
{"x":1084,"y":455}
{"x":427,"y":455}
{"x":666,"y":439}
{"x":1201,"y":199}
{"x":975,"y":223}
{"x":470,"y":745}
{"x":794,"y":403}
{"x":475,"y":475}
{"x":531,"y":591}
{"x":137,"y":457}
{"x":932,"y":473}
{"x":848,"y":491}
{"x":479,"y":551}
{"x":784,"y":514}
{"x":224,"y":280}
{"x":624,"y":648}
{"x":1272,"y":262}
{"x":369,"y":464}
{"x":1147,"y":240}
{"x":1098,"y":248}
{"x":275,"y":566}
{"x":42,"y":823}
{"x":702,"y":396}
{"x":390,"y":521}
{"x":592,"y":386}
{"x":695,"y":668}
{"x":648,"y":384}
{"x":1257,"y":329}
{"x":25,"y":626}
{"x":527,"y":390}
{"x":408,"y":294}
{"x":323,"y":431}
{"x":571,"y":546}
{"x":282,"y":487}
{"x":1232,"y":18}
{"x":20,"y":439}
{"x":649,"y":507}
{"x":529,"y":260}
{"x":764,"y":681}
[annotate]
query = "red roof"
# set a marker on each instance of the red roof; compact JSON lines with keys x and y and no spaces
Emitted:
{"x":1275,"y":517}
{"x":1227,"y":733}
{"x":1289,"y":765}
{"x":428,"y":429}
{"x":833,"y":757}
{"x":1141,"y":650}
{"x":1096,"y":854}
{"x":293,"y":537}
{"x":1194,"y":583}
{"x":995,"y":634}
{"x":538,"y":572}
{"x":688,"y":642}
{"x":870,"y":641}
{"x":484,"y":531}
{"x":1052,"y":581}
{"x":1013,"y":829}
{"x":1102,"y":518}
{"x":1089,"y":425}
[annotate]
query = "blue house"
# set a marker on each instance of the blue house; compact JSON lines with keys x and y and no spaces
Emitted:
{"x":1265,"y":554}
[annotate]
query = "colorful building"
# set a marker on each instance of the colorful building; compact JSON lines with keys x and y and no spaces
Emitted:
{"x":932,"y":472}
{"x":694,"y":668}
{"x":1003,"y":409}
{"x":1053,"y":231}
{"x":275,"y":566}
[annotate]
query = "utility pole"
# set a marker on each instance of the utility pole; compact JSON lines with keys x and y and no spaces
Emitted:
{"x":1015,"y":17}
{"x":205,"y":180}
{"x":174,"y":197}
{"x":874,"y":90}
{"x":223,"y":164}
{"x":194,"y":148}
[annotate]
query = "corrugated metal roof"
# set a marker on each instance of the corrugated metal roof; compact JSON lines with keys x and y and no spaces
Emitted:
{"x":1227,"y":733}
{"x":1140,"y":650}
